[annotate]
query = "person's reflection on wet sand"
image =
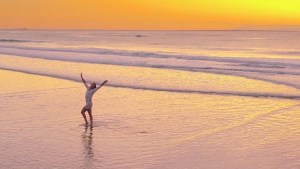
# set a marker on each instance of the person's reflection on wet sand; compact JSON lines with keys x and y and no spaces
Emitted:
{"x":87,"y":141}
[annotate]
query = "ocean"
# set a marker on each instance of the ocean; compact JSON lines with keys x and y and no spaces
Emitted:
{"x":175,"y":99}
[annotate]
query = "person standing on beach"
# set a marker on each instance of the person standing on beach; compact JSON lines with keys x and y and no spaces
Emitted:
{"x":90,"y":91}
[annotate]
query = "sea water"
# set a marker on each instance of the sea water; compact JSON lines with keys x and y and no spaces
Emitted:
{"x":175,"y":99}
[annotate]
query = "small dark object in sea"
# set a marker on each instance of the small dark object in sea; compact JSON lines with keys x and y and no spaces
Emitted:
{"x":12,"y":40}
{"x":139,"y":36}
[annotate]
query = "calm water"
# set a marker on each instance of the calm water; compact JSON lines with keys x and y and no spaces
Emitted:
{"x":269,"y":56}
{"x":178,"y":99}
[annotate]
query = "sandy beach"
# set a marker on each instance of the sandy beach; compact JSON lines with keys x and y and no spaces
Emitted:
{"x":41,"y":127}
{"x":174,"y":100}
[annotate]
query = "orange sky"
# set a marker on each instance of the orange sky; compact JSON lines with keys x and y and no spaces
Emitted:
{"x":148,"y":14}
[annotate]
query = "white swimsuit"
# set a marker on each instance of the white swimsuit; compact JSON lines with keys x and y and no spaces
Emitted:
{"x":89,"y":95}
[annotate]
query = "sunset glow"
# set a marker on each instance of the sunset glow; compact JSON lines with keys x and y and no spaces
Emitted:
{"x":145,"y":14}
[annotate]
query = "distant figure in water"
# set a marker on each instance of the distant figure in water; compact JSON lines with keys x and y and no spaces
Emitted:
{"x":90,"y":91}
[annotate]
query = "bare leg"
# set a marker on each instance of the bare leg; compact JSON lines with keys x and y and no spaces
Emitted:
{"x":91,"y":117}
{"x":83,"y":114}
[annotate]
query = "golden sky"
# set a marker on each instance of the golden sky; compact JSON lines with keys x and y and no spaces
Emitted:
{"x":148,"y":14}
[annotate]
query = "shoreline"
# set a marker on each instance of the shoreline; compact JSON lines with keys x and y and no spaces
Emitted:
{"x":254,"y":95}
{"x":152,"y":79}
{"x":139,"y":128}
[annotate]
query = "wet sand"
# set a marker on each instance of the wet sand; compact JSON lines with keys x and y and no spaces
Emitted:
{"x":41,"y":127}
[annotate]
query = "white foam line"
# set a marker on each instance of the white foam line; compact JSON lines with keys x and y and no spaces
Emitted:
{"x":256,"y":95}
{"x":141,"y":54}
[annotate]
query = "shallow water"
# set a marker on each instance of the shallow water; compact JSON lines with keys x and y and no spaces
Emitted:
{"x":175,"y":99}
{"x":43,"y":128}
{"x":271,"y":56}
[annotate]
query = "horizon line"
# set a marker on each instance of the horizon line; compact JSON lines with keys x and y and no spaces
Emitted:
{"x":62,"y":29}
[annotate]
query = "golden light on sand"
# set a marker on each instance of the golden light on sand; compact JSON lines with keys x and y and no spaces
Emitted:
{"x":144,"y":14}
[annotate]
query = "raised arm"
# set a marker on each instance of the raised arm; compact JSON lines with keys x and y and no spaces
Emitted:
{"x":101,"y":85}
{"x":84,"y":82}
